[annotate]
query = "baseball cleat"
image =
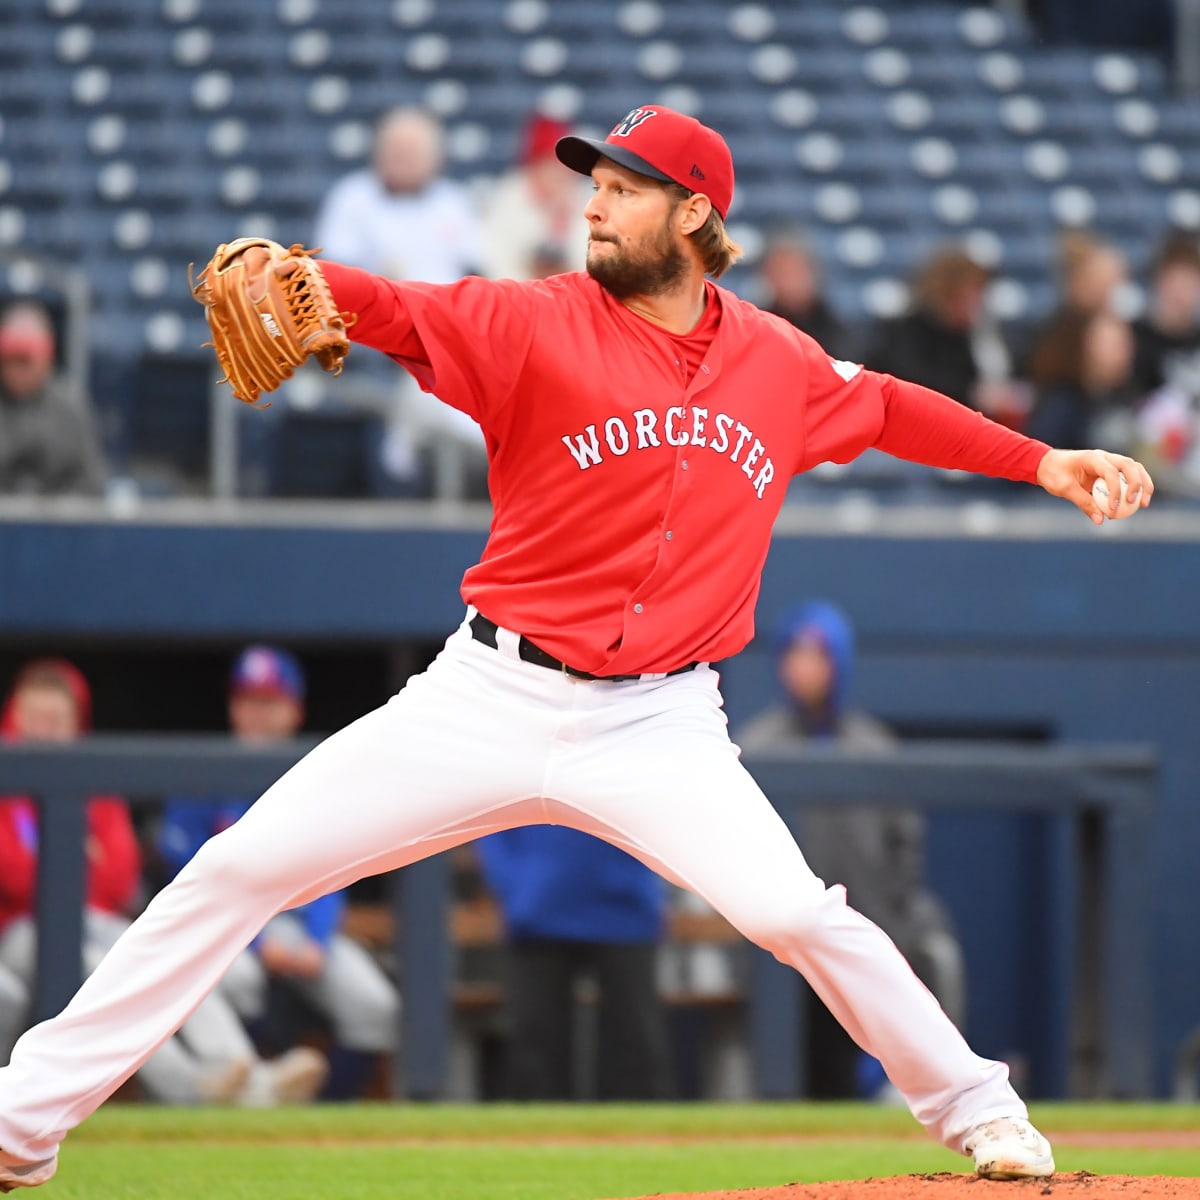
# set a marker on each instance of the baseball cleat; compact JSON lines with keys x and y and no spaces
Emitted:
{"x":1009,"y":1148}
{"x":15,"y":1175}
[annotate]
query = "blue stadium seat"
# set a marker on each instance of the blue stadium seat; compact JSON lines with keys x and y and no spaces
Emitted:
{"x":326,"y":454}
{"x":25,"y":44}
{"x":1179,"y":121}
{"x":946,"y":75}
{"x":819,"y":26}
{"x":735,"y":110}
{"x":591,"y":23}
{"x":169,"y":413}
{"x":231,"y":16}
{"x":829,"y":70}
{"x":129,"y":14}
{"x":925,"y":27}
{"x":853,"y":112}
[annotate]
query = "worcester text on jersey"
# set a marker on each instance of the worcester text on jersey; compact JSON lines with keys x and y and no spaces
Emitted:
{"x":725,"y":435}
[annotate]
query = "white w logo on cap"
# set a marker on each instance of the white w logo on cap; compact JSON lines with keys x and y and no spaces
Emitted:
{"x":631,"y":120}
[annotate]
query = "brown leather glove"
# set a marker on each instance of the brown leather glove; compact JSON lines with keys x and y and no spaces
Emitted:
{"x":269,"y":309}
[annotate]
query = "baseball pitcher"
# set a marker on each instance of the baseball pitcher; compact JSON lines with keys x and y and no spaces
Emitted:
{"x":642,"y":425}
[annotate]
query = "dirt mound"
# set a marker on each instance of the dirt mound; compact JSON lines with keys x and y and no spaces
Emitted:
{"x":954,"y":1186}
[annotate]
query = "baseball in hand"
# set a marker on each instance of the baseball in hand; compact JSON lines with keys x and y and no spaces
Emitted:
{"x":1126,"y":507}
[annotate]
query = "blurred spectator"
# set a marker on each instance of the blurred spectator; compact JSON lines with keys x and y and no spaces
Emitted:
{"x":533,"y":223}
{"x":1090,"y":396}
{"x":1168,"y":335}
{"x":49,"y":444}
{"x":1090,"y":273}
{"x":577,"y":908}
{"x":878,"y":854}
{"x":791,"y":288}
{"x":1091,"y":270}
{"x":402,"y":218}
{"x":1166,"y":374}
{"x":211,"y":1059}
{"x":302,"y":949}
{"x":948,"y":341}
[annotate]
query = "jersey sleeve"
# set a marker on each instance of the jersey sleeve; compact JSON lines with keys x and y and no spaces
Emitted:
{"x":924,"y":426}
{"x":464,"y":342}
{"x":849,"y":409}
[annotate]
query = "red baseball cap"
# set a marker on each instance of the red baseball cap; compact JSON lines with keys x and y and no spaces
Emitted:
{"x":662,"y":144}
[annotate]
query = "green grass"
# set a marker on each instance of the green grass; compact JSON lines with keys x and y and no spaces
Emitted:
{"x":451,"y":1152}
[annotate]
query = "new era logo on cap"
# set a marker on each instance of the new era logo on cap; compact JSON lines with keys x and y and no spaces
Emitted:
{"x":663,"y":144}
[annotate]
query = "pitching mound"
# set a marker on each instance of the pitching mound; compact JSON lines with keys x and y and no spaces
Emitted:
{"x":952,"y":1186}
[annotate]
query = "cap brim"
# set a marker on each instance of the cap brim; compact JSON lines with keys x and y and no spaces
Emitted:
{"x":266,"y":690}
{"x":580,"y":154}
{"x":36,"y":345}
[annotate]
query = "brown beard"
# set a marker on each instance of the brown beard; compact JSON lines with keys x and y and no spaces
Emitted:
{"x":648,"y":270}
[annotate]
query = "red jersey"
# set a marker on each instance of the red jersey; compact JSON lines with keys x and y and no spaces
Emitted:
{"x":633,"y":504}
{"x":114,"y":861}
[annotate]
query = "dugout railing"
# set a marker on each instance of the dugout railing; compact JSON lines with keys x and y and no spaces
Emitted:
{"x":1106,"y":791}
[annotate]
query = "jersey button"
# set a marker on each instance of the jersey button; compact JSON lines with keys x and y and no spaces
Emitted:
{"x":684,"y":464}
{"x":670,"y":535}
{"x":637,"y":608}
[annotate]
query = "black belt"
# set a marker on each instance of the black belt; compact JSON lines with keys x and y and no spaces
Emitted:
{"x":483,"y":630}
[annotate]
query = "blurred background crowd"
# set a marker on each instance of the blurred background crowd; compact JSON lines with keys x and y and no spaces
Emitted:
{"x":1001,"y":201}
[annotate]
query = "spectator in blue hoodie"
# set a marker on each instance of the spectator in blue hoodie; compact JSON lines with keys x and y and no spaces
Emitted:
{"x":878,"y":854}
{"x":577,"y":907}
{"x":303,"y":948}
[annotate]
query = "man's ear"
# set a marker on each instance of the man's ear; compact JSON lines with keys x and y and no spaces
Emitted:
{"x":694,"y":212}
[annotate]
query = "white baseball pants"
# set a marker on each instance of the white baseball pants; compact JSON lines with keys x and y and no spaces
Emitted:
{"x":483,"y":741}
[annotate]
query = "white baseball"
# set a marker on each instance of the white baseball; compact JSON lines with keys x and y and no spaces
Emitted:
{"x":1126,"y":507}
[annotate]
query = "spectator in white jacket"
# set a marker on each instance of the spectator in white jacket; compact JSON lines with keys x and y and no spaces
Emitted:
{"x":402,"y":217}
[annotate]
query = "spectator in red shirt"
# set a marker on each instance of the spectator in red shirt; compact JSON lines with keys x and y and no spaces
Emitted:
{"x":212,"y":1060}
{"x":51,"y":702}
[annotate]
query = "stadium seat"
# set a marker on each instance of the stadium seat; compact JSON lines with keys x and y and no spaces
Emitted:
{"x":324,"y":454}
{"x":168,"y":418}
